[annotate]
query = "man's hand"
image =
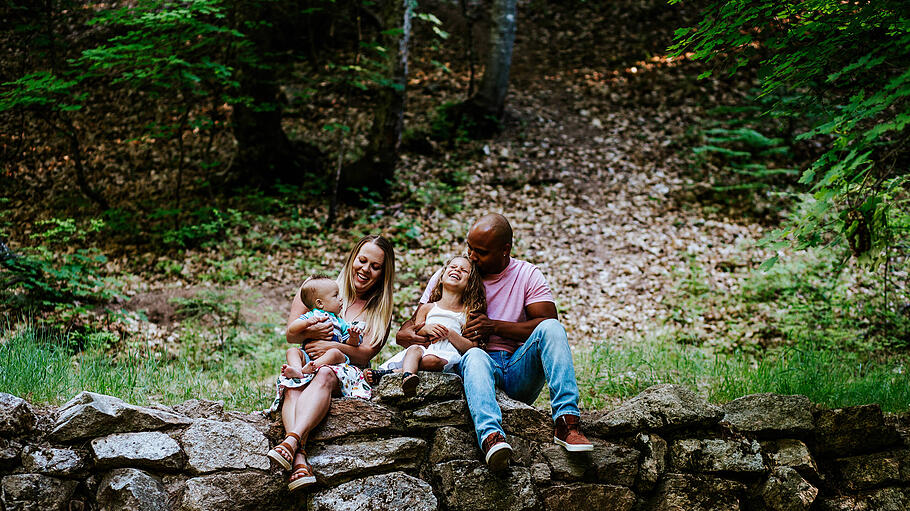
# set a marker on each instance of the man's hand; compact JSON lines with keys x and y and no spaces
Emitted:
{"x":408,"y":336}
{"x":478,"y":328}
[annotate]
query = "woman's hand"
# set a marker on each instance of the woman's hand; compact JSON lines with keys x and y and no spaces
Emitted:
{"x":316,"y":349}
{"x":317,"y":328}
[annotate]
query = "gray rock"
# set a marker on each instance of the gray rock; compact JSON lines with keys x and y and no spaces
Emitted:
{"x":53,"y":461}
{"x":788,"y":452}
{"x":16,"y":416}
{"x":786,"y":490}
{"x":437,"y":415}
{"x":659,"y":408}
{"x":248,"y":490}
{"x":716,"y":455}
{"x":468,"y":485}
{"x":433,"y":386}
{"x":853,"y":430}
{"x":129,"y":488}
{"x":585,"y":497}
{"x":653,"y":460}
{"x":201,"y":409}
{"x":874,"y":470}
{"x":92,"y":415}
{"x":212,"y":445}
{"x":524,"y":420}
{"x":386,"y":492}
{"x":453,"y":444}
{"x":610,"y":463}
{"x":886,"y":499}
{"x":9,"y":454}
{"x":352,"y":416}
{"x":540,"y":473}
{"x":770,"y":415}
{"x":26,"y":492}
{"x":334,"y":462}
{"x":149,"y":449}
{"x":688,"y":492}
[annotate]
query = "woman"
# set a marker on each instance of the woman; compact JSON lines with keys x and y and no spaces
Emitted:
{"x":365,"y":283}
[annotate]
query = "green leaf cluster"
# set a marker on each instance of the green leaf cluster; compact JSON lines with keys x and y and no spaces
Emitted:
{"x":846,"y":65}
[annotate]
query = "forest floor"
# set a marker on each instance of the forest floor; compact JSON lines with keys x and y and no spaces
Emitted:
{"x":593,"y":168}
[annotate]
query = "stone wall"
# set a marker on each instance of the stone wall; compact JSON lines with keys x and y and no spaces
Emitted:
{"x":666,"y":449}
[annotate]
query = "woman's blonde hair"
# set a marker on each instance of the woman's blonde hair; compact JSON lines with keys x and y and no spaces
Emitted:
{"x":377,"y":313}
{"x":474,"y":297}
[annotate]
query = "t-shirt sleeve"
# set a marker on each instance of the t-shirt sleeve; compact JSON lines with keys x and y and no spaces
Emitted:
{"x":537,"y":290}
{"x":306,"y":315}
{"x":425,"y":298}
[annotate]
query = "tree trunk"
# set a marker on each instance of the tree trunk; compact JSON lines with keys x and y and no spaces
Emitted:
{"x":377,"y":167}
{"x":491,"y":95}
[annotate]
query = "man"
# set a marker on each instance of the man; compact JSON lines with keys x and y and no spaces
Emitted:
{"x":525,"y":345}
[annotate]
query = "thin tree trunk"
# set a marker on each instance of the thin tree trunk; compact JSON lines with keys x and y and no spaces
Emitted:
{"x":377,"y":167}
{"x":491,"y":95}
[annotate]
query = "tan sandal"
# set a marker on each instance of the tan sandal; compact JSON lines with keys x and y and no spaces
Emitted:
{"x":304,"y":476}
{"x":283,"y":454}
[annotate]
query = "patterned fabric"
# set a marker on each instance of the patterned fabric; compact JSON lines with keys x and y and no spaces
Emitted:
{"x":350,"y":380}
{"x":339,"y":326}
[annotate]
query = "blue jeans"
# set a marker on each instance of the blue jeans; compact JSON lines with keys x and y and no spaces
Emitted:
{"x":544,"y":358}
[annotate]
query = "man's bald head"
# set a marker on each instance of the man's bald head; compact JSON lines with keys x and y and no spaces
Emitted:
{"x":497,"y":225}
{"x":490,"y":243}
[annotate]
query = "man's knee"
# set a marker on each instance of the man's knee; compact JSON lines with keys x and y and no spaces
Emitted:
{"x":552,"y":330}
{"x":475,"y":357}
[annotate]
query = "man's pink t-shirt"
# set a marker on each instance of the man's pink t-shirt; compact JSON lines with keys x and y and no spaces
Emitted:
{"x":508,"y":293}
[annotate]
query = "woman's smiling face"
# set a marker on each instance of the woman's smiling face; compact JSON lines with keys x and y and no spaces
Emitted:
{"x":367,"y":267}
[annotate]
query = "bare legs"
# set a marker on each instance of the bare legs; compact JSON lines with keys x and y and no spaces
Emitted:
{"x":296,"y":369}
{"x":304,"y":408}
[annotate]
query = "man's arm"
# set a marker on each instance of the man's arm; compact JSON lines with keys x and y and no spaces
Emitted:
{"x":407,"y":335}
{"x":479,"y":327}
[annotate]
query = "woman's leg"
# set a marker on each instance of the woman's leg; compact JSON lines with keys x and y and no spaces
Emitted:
{"x":313,"y":403}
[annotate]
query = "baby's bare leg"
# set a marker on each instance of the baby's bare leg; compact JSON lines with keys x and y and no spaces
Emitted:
{"x":432,"y":363}
{"x":332,"y":356}
{"x":294,"y":367}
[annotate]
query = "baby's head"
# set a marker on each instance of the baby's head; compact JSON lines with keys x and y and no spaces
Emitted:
{"x":321,"y":292}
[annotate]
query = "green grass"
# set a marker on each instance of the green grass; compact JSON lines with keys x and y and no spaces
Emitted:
{"x":50,"y":369}
{"x":827,"y":376}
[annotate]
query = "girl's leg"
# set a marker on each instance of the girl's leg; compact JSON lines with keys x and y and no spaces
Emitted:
{"x":412,"y":359}
{"x":432,"y":363}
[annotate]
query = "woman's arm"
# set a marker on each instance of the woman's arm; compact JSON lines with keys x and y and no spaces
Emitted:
{"x":311,"y":329}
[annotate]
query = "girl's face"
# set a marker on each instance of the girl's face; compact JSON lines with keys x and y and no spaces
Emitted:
{"x":456,"y":274}
{"x":367,"y":267}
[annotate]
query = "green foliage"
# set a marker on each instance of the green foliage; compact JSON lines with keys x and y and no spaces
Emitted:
{"x":845,"y":65}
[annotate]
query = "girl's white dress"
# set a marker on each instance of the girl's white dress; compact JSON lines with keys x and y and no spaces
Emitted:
{"x":443,"y":349}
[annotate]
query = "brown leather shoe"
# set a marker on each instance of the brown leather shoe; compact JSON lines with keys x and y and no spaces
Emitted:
{"x":496,"y":451}
{"x":567,"y":434}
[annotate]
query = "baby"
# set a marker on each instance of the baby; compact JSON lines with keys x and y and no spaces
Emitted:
{"x":320,"y":294}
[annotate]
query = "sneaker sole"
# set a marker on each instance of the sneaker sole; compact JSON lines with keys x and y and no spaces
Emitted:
{"x":574,"y":447}
{"x":498,"y":456}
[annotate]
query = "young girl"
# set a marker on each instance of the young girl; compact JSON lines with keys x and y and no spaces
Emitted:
{"x":460,"y":291}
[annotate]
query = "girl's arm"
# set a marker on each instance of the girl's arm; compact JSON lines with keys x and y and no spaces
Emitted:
{"x":420,"y":318}
{"x":461,"y":343}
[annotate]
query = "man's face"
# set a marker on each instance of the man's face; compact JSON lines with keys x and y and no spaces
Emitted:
{"x":489,"y":254}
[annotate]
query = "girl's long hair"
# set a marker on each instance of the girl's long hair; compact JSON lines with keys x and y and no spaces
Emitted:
{"x":474,"y":297}
{"x":377,"y":313}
